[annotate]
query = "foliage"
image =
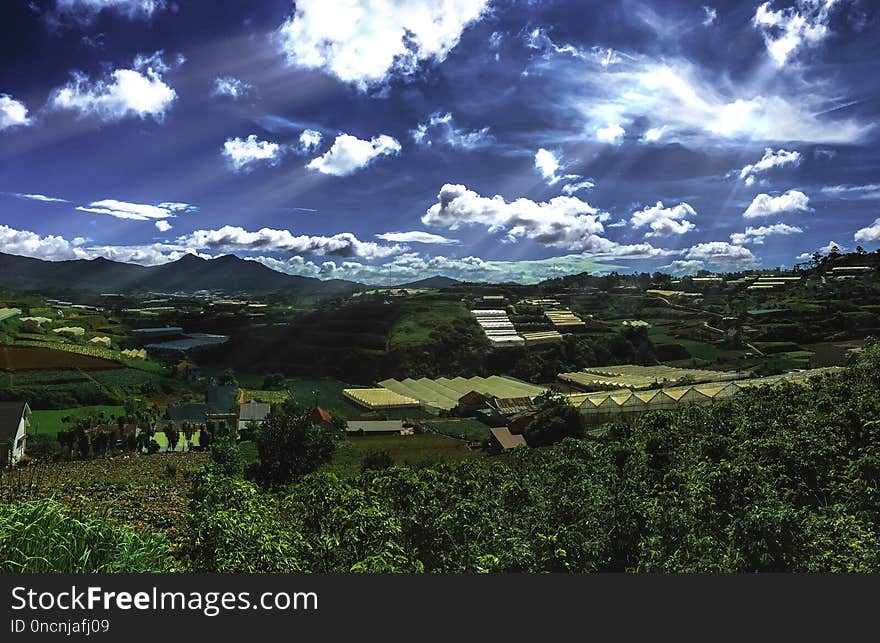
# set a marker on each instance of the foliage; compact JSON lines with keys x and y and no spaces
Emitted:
{"x":291,"y":445}
{"x":376,"y":461}
{"x":45,"y":536}
{"x":776,"y":479}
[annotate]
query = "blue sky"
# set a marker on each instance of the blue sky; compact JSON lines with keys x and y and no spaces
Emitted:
{"x":389,"y":140}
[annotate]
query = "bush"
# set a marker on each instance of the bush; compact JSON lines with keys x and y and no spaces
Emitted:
{"x":290,"y":445}
{"x":376,"y":461}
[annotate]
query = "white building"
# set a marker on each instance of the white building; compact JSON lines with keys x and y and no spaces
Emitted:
{"x":13,"y":431}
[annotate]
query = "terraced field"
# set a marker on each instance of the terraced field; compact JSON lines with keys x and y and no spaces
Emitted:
{"x":31,"y":358}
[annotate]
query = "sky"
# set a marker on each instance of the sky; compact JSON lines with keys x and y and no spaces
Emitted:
{"x":390,"y":140}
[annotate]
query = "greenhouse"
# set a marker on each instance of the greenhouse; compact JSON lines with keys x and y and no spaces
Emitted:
{"x":379,"y":398}
{"x":443,"y":393}
{"x":601,"y":407}
{"x":636,"y":377}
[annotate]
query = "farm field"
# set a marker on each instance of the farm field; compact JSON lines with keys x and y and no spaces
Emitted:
{"x":30,"y":358}
{"x":49,"y":422}
{"x":418,"y":318}
{"x":415,"y":449}
{"x":134,"y":490}
{"x":464,"y":428}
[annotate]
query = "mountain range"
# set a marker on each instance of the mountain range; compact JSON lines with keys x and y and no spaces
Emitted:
{"x":188,"y":274}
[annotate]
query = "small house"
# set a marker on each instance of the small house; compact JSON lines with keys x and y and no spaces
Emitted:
{"x":503,"y":439}
{"x":13,"y":431}
{"x":375,"y":427}
{"x":252,"y":411}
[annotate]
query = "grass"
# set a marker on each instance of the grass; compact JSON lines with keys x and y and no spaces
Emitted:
{"x":49,"y":422}
{"x":418,"y":318}
{"x":410,"y":449}
{"x":467,"y":429}
{"x":45,"y":536}
{"x":328,"y":394}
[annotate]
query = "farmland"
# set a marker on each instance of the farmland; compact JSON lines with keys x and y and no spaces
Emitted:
{"x":49,"y":422}
{"x":29,"y":358}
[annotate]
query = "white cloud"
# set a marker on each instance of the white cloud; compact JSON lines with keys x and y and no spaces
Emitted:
{"x":654,"y":134}
{"x":140,"y":92}
{"x":344,"y":244}
{"x":31,"y":244}
{"x":86,"y":10}
{"x":787,"y":30}
{"x":231,"y":87}
{"x":364,"y":42}
{"x":13,"y":113}
{"x":310,"y":141}
{"x":678,"y":101}
{"x":722,"y":254}
{"x":40,"y":197}
{"x":663,"y":221}
{"x":757,"y":235}
{"x":573,"y":188}
{"x":163,"y":226}
{"x":549,"y":164}
{"x":771,"y":159}
{"x":709,"y":16}
{"x":137,"y":211}
{"x":563,"y":222}
{"x":442,"y":129}
{"x":870,"y":191}
{"x":348,"y":154}
{"x":869,"y":233}
{"x":612,"y":134}
{"x":416,"y":236}
{"x":411,"y":267}
{"x":765,"y":205}
{"x":242,"y":154}
{"x":824,"y":250}
{"x":684,"y":267}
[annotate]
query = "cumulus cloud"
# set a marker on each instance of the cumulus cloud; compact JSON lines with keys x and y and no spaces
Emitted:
{"x":137,"y":211}
{"x":787,"y":30}
{"x":411,"y":266}
{"x":653,"y":134}
{"x":86,"y":10}
{"x":40,"y":197}
{"x":163,"y":226}
{"x":231,"y":87}
{"x":31,"y":244}
{"x":722,"y":254}
{"x":13,"y":113}
{"x":771,"y":159}
{"x":824,"y":250}
{"x":310,"y":141}
{"x":684,"y":267}
{"x":348,"y":154}
{"x":870,"y":191}
{"x":140,"y":92}
{"x":416,"y":236}
{"x":765,"y":205}
{"x":344,"y":244}
{"x":365,"y":42}
{"x":757,"y":235}
{"x":869,"y":233}
{"x":563,"y":222}
{"x":612,"y":134}
{"x":243,"y":154}
{"x":441,"y":128}
{"x":663,"y":221}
